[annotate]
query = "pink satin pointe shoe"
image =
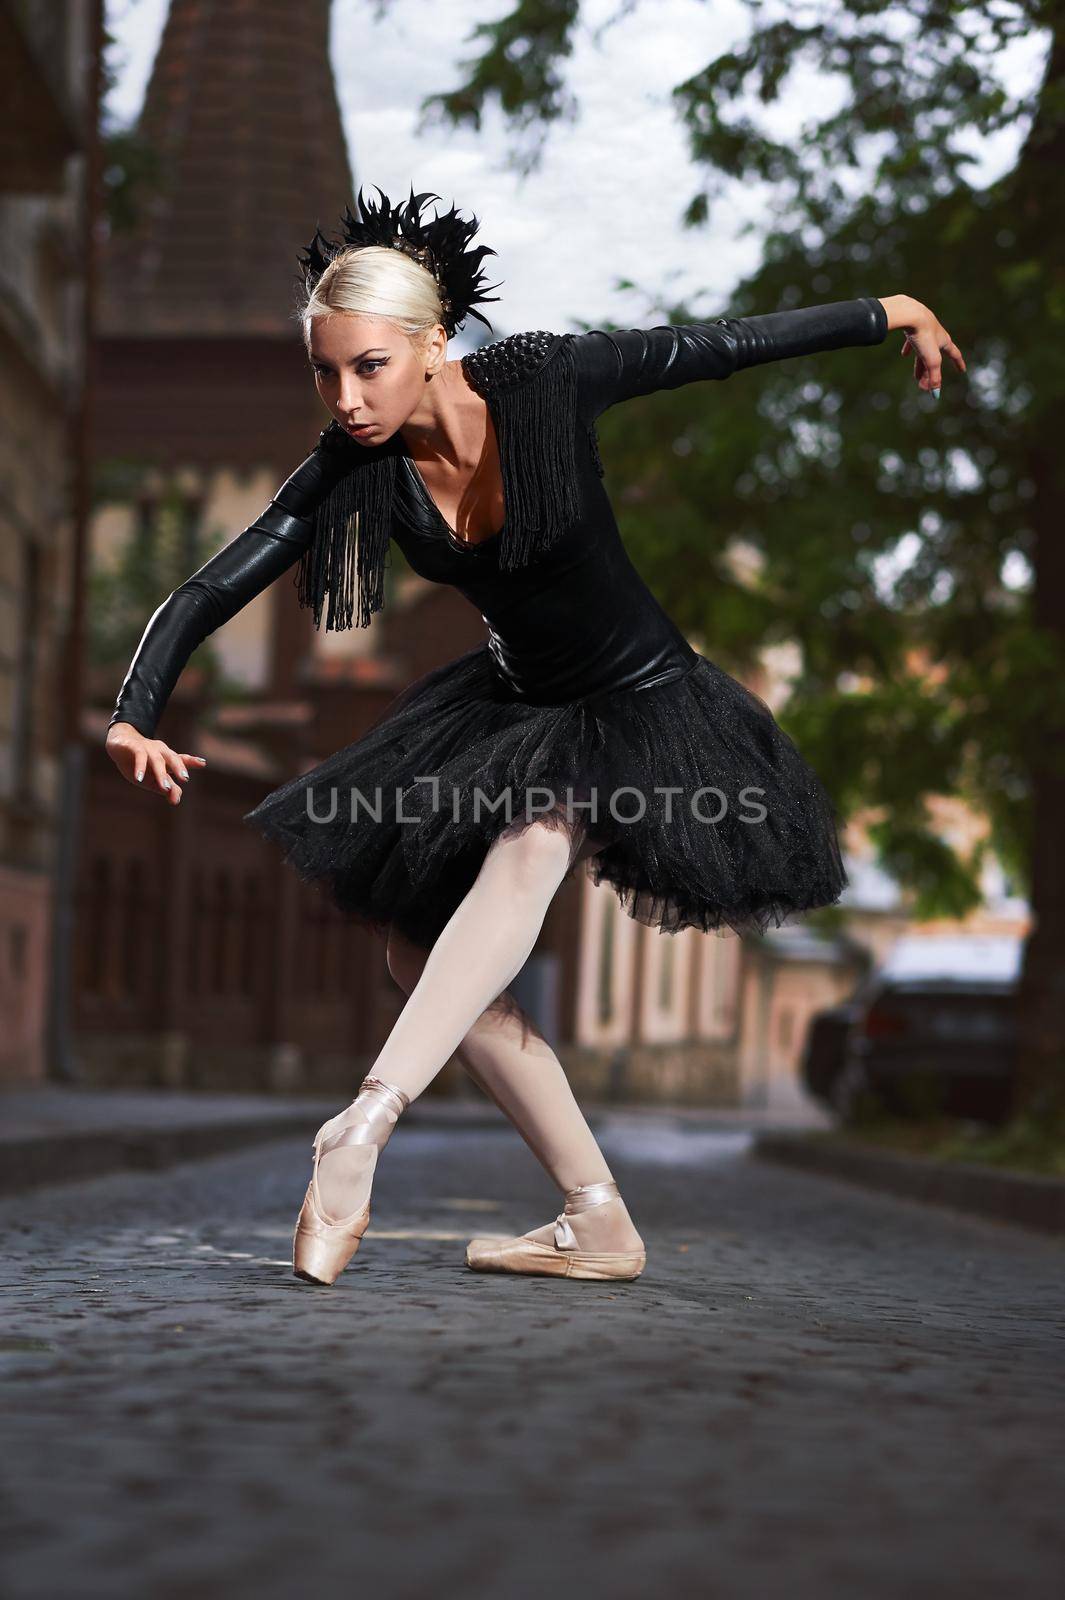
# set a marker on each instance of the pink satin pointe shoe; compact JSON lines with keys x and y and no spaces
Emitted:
{"x":565,"y":1258}
{"x":322,"y":1245}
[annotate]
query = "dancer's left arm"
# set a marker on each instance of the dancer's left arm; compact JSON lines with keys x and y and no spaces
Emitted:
{"x":619,"y":364}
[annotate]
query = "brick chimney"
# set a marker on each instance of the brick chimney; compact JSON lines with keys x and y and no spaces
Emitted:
{"x":201,"y":360}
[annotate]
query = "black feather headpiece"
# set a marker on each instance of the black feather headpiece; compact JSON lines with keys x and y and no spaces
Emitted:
{"x":439,"y":245}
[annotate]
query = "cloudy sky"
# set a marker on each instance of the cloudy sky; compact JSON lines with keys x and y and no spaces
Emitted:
{"x":605,"y":203}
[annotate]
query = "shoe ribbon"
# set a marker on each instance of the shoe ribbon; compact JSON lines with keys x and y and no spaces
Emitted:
{"x":582,"y":1198}
{"x":565,"y":1238}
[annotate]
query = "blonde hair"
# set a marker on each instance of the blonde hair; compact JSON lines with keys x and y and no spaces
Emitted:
{"x":375,"y":280}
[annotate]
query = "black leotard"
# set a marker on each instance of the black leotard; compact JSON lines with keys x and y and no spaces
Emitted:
{"x":577,"y":621}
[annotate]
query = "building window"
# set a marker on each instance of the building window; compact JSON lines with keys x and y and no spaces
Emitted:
{"x":727,"y":974}
{"x":666,"y":969}
{"x":606,"y":964}
{"x":146,"y":517}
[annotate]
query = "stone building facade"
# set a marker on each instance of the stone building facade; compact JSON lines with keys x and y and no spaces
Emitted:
{"x":46,"y":83}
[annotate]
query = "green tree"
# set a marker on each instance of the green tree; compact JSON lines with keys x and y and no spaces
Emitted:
{"x":132,"y":170}
{"x":911,"y":545}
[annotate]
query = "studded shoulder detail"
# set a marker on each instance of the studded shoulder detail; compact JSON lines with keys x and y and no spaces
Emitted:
{"x":510,"y":360}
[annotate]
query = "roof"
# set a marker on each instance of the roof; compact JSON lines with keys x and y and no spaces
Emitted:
{"x":241,"y":109}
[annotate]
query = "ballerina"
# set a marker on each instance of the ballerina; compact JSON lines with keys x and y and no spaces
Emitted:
{"x":585,"y":729}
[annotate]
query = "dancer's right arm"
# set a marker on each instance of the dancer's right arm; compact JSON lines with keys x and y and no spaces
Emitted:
{"x":220,"y":588}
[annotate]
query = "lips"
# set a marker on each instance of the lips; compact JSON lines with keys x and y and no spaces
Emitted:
{"x":363,"y":427}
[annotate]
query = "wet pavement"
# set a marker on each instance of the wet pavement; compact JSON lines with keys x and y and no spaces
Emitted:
{"x":812,"y":1390}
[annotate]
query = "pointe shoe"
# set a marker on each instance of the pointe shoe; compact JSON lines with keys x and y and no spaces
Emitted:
{"x":322,"y":1245}
{"x":564,"y":1259}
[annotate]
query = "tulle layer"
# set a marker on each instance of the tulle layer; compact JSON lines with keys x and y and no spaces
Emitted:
{"x":706,"y":813}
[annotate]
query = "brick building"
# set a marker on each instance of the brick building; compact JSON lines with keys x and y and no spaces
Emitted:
{"x":47,"y":56}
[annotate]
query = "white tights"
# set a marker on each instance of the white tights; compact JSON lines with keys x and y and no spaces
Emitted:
{"x":456,"y":1004}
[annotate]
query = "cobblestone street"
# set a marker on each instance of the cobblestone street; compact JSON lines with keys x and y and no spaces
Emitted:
{"x":812,"y":1390}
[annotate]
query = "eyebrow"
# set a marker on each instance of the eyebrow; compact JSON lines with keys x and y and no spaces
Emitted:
{"x":321,"y":360}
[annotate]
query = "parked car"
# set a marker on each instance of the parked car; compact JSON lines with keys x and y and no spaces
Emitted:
{"x":824,"y":1051}
{"x":934,"y":1029}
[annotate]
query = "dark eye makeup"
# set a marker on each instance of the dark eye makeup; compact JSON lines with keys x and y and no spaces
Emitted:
{"x":325,"y":372}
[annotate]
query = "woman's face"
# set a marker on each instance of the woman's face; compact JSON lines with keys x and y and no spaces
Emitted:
{"x":370,"y":375}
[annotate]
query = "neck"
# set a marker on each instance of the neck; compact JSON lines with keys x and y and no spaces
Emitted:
{"x":449,"y":420}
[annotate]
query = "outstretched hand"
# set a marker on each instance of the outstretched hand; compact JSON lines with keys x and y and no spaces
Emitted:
{"x":926,"y":340}
{"x":149,"y":762}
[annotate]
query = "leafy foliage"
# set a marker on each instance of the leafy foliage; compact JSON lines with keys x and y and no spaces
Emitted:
{"x":825,"y":500}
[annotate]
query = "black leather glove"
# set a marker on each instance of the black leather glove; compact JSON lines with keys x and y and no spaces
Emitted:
{"x":618,"y":364}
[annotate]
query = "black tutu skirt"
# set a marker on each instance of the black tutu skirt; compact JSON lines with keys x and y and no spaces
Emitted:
{"x":706,"y":813}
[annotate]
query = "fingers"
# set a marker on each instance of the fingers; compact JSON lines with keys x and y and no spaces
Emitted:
{"x":154,"y":766}
{"x":929,"y":346}
{"x":166,"y":766}
{"x":163,"y":782}
{"x":951,"y":349}
{"x":179,"y":764}
{"x":928,"y":369}
{"x":915,"y":347}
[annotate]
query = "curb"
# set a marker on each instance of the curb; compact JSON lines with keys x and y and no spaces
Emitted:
{"x":1027,"y":1200}
{"x":53,"y":1159}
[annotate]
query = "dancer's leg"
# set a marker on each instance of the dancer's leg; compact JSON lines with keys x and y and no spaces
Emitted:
{"x":514,"y":1065}
{"x":510,"y":1060}
{"x":483,"y":945}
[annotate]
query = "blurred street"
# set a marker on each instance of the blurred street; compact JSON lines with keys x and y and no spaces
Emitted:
{"x":812,"y":1390}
